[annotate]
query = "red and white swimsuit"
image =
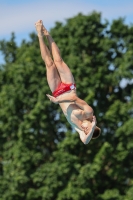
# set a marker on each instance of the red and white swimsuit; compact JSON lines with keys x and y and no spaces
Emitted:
{"x":62,"y":88}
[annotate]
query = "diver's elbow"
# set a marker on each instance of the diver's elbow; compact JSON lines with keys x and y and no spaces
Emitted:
{"x":85,"y":141}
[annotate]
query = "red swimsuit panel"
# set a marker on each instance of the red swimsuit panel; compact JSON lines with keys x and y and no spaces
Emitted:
{"x":62,"y":88}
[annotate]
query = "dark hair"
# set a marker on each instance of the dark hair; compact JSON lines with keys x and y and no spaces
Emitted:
{"x":96,"y":133}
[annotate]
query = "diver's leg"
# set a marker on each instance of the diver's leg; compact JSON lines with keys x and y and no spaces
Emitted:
{"x":64,"y":71}
{"x":53,"y":77}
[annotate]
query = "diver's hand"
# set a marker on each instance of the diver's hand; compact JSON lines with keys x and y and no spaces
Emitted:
{"x":53,"y":99}
{"x":89,"y":128}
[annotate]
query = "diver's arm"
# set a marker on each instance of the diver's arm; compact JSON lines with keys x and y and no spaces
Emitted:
{"x":70,"y":97}
{"x":83,"y":106}
{"x":84,"y":136}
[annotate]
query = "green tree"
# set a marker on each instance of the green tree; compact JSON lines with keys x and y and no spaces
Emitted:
{"x":40,"y":155}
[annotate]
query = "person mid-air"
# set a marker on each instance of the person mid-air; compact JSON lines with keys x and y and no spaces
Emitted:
{"x":62,"y":85}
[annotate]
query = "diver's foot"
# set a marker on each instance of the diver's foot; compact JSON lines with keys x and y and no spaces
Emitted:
{"x":45,"y":32}
{"x":39,"y":28}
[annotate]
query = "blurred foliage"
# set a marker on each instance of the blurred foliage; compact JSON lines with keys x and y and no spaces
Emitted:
{"x":40,"y":155}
